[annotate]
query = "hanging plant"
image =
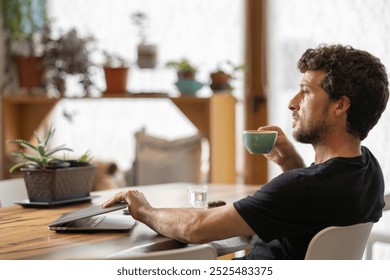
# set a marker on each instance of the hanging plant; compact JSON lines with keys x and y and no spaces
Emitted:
{"x":146,"y":52}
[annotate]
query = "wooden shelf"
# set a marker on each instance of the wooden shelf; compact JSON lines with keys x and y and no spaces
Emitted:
{"x":213,"y":116}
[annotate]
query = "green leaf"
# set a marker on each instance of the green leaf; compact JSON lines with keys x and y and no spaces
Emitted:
{"x":86,"y":157}
{"x":17,"y":166}
{"x":30,"y":157}
{"x":16,"y":154}
{"x":49,"y":136}
{"x":41,"y":149}
{"x":23,"y":143}
{"x":57,"y":149}
{"x":37,"y":137}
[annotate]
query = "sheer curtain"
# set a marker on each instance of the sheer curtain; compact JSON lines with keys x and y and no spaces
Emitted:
{"x":295,"y":25}
{"x":206,"y":32}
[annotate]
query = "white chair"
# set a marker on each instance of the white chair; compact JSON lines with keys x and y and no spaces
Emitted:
{"x":378,"y":235}
{"x":12,"y":190}
{"x":339,"y":243}
{"x":196,"y":252}
{"x":159,"y":161}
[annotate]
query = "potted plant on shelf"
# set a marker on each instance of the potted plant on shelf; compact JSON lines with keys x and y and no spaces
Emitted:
{"x":49,"y":179}
{"x":186,"y":72}
{"x":184,"y":69}
{"x":23,"y":21}
{"x":69,"y":54}
{"x":116,"y":70}
{"x":220,"y":79}
{"x":146,"y":52}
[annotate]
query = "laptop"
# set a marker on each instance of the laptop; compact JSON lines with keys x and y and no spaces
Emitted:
{"x":90,"y":220}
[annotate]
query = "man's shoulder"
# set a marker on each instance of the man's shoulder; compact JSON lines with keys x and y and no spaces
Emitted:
{"x":288,"y":179}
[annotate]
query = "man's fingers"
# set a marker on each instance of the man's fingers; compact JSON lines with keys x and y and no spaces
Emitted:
{"x":116,"y":198}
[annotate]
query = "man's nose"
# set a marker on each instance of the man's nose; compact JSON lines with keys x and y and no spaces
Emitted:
{"x":293,"y":105}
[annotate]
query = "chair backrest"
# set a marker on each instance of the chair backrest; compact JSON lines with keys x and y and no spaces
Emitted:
{"x":387,"y":201}
{"x":12,"y":190}
{"x":159,"y":161}
{"x":196,"y":252}
{"x":339,"y":243}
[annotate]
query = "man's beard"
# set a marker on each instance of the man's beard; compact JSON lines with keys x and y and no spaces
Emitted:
{"x":314,"y":133}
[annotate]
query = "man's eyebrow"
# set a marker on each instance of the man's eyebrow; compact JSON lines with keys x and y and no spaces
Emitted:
{"x":304,"y":85}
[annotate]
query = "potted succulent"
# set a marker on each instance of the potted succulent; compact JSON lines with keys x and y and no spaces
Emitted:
{"x":23,"y":21}
{"x":49,"y":179}
{"x":116,"y":70}
{"x":186,"y":72}
{"x":146,"y":52}
{"x":220,"y":79}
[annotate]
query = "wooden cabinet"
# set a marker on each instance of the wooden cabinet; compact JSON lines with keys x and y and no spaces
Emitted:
{"x":214,"y":117}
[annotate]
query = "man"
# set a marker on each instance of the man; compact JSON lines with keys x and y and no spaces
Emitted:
{"x":342,"y":95}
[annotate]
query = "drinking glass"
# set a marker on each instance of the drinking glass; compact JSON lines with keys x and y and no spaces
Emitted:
{"x":197,"y":196}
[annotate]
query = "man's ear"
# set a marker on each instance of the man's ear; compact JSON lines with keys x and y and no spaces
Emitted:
{"x":343,"y":105}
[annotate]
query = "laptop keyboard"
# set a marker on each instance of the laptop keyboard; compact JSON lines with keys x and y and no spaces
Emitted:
{"x":90,"y":222}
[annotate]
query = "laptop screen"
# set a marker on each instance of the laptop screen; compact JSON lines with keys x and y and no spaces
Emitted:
{"x":87,"y":212}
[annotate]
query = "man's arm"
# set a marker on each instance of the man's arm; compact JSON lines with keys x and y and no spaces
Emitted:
{"x":188,"y":225}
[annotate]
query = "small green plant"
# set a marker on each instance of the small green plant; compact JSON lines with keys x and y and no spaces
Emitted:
{"x":229,"y":68}
{"x":181,"y":65}
{"x":185,"y":70}
{"x":41,"y":155}
{"x":22,"y":21}
{"x":86,"y":157}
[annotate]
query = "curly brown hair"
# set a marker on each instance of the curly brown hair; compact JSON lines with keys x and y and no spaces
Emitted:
{"x":355,"y":74}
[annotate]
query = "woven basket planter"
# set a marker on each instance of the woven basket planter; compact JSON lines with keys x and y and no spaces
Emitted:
{"x":52,"y":185}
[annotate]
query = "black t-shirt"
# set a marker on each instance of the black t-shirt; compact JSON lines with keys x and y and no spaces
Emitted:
{"x":289,"y":210}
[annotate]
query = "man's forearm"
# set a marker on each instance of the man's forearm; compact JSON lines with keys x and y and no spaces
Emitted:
{"x":293,"y":163}
{"x":182,"y":224}
{"x":195,"y":225}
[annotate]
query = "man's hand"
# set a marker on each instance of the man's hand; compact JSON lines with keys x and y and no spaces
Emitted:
{"x":190,"y":225}
{"x":283,"y":153}
{"x":136,"y":200}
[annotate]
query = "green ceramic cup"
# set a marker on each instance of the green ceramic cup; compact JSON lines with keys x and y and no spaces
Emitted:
{"x":259,"y":142}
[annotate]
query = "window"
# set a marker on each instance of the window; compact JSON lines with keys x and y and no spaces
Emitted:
{"x":206,"y":32}
{"x":299,"y":24}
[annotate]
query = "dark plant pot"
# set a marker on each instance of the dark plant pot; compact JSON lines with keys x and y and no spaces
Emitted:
{"x":52,"y":185}
{"x":186,"y":75}
{"x":220,"y":87}
{"x":30,"y":71}
{"x":76,"y":163}
{"x":220,"y":81}
{"x":116,"y":79}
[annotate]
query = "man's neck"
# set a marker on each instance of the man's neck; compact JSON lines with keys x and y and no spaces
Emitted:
{"x":338,"y":146}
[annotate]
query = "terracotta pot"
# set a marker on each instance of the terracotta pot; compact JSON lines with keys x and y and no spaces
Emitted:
{"x":30,"y":71}
{"x":116,"y":79}
{"x":52,"y":185}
